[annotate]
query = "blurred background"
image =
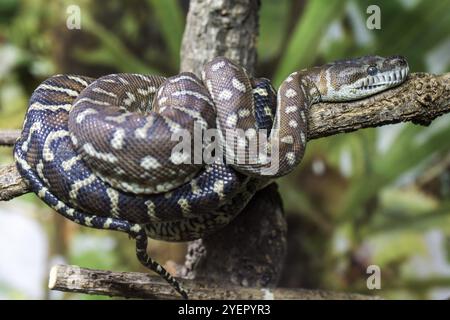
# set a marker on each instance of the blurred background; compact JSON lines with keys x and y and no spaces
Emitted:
{"x":376,"y":196}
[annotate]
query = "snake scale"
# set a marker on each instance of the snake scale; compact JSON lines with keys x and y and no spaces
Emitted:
{"x":102,"y":152}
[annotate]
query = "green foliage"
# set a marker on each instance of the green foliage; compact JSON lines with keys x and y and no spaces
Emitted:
{"x":111,"y":51}
{"x":305,"y":39}
{"x":171,"y":19}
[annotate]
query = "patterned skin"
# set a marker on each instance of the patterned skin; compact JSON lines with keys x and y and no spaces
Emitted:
{"x":100,"y":151}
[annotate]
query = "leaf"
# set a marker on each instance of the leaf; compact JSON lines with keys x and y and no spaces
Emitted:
{"x":170,"y":19}
{"x":395,"y":246}
{"x":436,"y":218}
{"x":114,"y":52}
{"x":272,"y":28}
{"x":304,"y":43}
{"x":404,"y":154}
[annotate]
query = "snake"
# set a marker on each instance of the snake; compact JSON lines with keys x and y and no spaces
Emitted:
{"x":121,"y":152}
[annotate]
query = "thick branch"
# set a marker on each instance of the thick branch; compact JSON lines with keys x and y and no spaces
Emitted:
{"x":422,"y":98}
{"x":261,"y":226}
{"x":144,"y":286}
{"x":220,"y":28}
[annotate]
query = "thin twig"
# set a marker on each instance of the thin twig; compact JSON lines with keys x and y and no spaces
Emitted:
{"x":8,"y":137}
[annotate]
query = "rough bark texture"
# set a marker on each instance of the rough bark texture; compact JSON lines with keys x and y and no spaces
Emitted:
{"x":220,"y":28}
{"x":249,"y":251}
{"x":8,"y":137}
{"x":145,"y":286}
{"x":11,"y":183}
{"x":422,"y":98}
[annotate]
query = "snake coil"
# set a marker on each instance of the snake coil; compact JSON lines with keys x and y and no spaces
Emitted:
{"x":102,"y":152}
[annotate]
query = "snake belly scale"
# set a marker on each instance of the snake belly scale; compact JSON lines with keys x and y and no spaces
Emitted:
{"x":101,"y":153}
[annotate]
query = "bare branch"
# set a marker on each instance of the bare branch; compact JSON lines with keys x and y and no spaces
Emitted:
{"x":9,"y":137}
{"x":144,"y":286}
{"x":11,"y":183}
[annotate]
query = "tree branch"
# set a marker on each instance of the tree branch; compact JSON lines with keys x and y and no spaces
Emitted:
{"x":420,"y":99}
{"x":144,"y":286}
{"x":11,"y":183}
{"x":8,"y":137}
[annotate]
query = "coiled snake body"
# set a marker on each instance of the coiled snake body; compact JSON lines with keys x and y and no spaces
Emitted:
{"x":102,"y":151}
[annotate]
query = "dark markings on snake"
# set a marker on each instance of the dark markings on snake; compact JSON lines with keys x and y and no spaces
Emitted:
{"x":98,"y":150}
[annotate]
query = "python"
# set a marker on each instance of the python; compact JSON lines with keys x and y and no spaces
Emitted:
{"x":98,"y":150}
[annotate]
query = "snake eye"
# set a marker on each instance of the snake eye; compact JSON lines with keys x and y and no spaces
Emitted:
{"x":372,"y":70}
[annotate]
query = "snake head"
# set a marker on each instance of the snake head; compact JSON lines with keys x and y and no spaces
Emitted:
{"x":361,"y":77}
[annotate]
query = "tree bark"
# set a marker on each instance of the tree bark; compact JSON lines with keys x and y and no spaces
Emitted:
{"x":144,"y":286}
{"x":220,"y":28}
{"x":11,"y":183}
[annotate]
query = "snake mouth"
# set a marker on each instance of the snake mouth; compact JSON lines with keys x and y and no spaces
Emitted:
{"x":383,"y":80}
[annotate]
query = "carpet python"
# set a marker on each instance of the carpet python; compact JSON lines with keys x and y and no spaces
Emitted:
{"x":101,"y":151}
